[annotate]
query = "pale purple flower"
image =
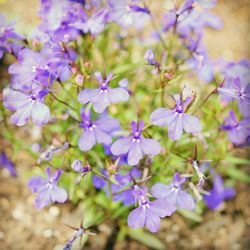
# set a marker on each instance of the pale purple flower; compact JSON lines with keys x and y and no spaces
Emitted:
{"x":102,"y":97}
{"x":148,"y":213}
{"x":238,"y":131}
{"x":48,"y":153}
{"x":174,"y":194}
{"x":150,"y":57}
{"x":6,"y":163}
{"x":47,"y":189}
{"x":126,"y":13}
{"x":235,"y":88}
{"x":94,"y":24}
{"x":176,"y":119}
{"x":135,"y":145}
{"x":78,"y":167}
{"x":99,"y":131}
{"x":26,"y":106}
{"x":218,"y":194}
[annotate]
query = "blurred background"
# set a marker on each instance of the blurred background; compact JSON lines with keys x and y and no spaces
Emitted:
{"x":22,"y":226}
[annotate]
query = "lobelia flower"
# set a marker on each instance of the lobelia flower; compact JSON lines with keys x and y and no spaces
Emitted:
{"x":148,"y":213}
{"x":135,"y":145}
{"x":6,"y":163}
{"x":150,"y":57}
{"x":102,"y":97}
{"x":26,"y":106}
{"x":238,"y":132}
{"x":49,"y":152}
{"x":94,"y":24}
{"x":47,"y":189}
{"x":218,"y":194}
{"x":99,"y":131}
{"x":126,"y":13}
{"x":176,"y":119}
{"x":9,"y":39}
{"x":235,"y":88}
{"x":174,"y":194}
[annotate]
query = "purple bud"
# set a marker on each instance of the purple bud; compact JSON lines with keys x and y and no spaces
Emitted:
{"x":77,"y":166}
{"x":79,"y":79}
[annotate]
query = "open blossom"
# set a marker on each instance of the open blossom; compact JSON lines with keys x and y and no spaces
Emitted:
{"x":174,"y":194}
{"x":218,"y":194}
{"x":235,"y":88}
{"x":148,"y":213}
{"x":176,"y":119}
{"x":99,"y":131}
{"x":26,"y":106}
{"x":135,"y":145}
{"x":102,"y":97}
{"x":47,"y":189}
{"x":238,"y":131}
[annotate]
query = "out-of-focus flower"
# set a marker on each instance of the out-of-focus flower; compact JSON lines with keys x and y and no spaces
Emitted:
{"x":47,"y":189}
{"x":218,"y":194}
{"x":238,"y":132}
{"x":104,"y":96}
{"x":6,"y":163}
{"x":174,"y":194}
{"x":135,"y":145}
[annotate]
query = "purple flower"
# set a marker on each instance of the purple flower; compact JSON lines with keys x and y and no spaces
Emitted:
{"x":9,"y":39}
{"x":176,"y":119}
{"x":94,"y":24}
{"x":149,"y":213}
{"x":126,"y":14}
{"x":150,"y":57}
{"x":174,"y":194}
{"x":49,"y":152}
{"x":235,"y":88}
{"x":99,"y":131}
{"x":78,"y":167}
{"x":238,"y":132}
{"x":135,"y":145}
{"x":47,"y":189}
{"x":6,"y":163}
{"x":218,"y":194}
{"x":104,"y":96}
{"x":26,"y":106}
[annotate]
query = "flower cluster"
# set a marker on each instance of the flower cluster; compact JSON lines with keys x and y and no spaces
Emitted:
{"x":59,"y":80}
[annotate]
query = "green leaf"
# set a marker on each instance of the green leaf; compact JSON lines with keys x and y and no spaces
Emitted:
{"x":191,"y":215}
{"x":237,"y":174}
{"x":236,"y":160}
{"x":146,"y":239}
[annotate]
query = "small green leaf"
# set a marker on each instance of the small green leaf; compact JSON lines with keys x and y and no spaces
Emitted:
{"x":236,"y":160}
{"x":146,"y":239}
{"x":237,"y":174}
{"x":191,"y":215}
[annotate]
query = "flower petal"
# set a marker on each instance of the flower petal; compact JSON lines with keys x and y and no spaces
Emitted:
{"x":58,"y":194}
{"x":22,"y":115}
{"x":160,"y":190}
{"x":101,"y":103}
{"x":121,"y":146}
{"x":175,"y":128}
{"x":102,"y":137}
{"x":108,"y":124}
{"x":150,"y":146}
{"x":87,"y":140}
{"x":40,"y":113}
{"x":161,"y":117}
{"x":36,"y":183}
{"x":88,"y":95}
{"x":185,"y":200}
{"x":134,"y":154}
{"x":13,"y":100}
{"x":137,"y":218}
{"x":191,"y":124}
{"x":152,"y":221}
{"x":118,"y":95}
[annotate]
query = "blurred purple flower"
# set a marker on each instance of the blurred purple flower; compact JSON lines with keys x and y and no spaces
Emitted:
{"x":6,"y":163}
{"x":238,"y":132}
{"x":104,"y":96}
{"x":174,"y":194}
{"x":135,"y":145}
{"x":234,"y":88}
{"x":26,"y":106}
{"x":218,"y":194}
{"x":150,"y":57}
{"x":176,"y":119}
{"x":78,"y":167}
{"x":99,"y":131}
{"x":47,"y":189}
{"x":149,"y":213}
